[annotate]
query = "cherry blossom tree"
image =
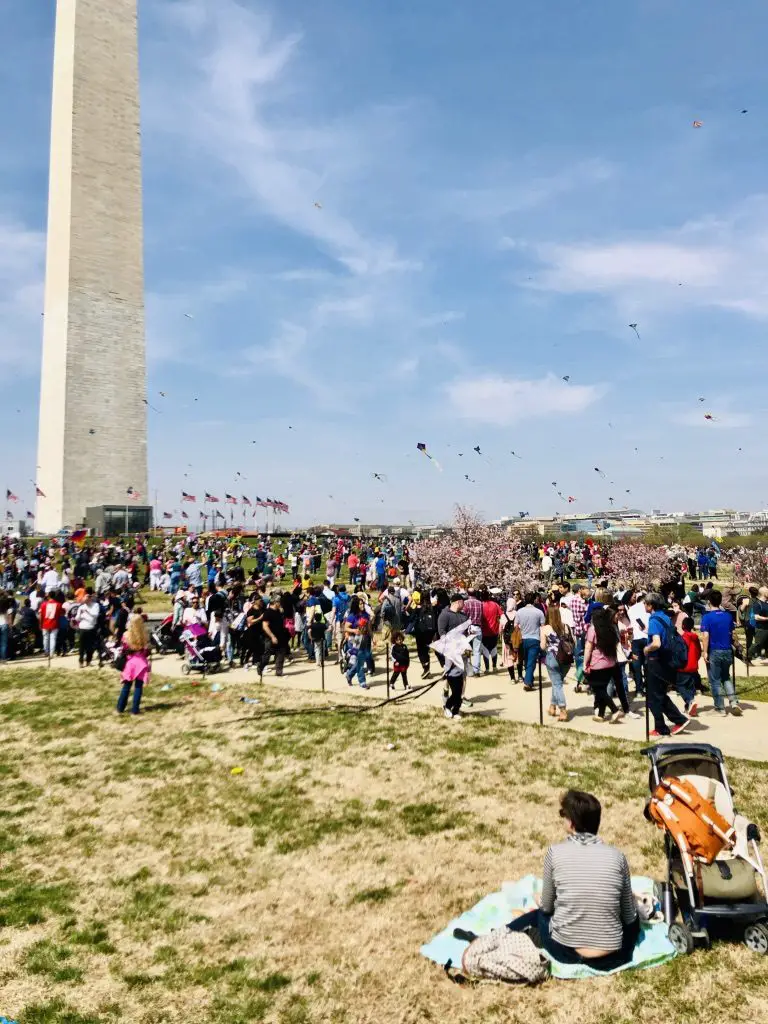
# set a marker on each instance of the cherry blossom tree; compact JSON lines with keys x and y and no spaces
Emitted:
{"x":473,"y":554}
{"x":750,"y":567}
{"x":638,"y":564}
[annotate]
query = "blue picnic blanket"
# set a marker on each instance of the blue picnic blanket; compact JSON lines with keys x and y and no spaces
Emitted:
{"x":494,"y":911}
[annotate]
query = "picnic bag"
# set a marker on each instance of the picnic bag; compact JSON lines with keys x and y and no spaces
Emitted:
{"x":503,"y":955}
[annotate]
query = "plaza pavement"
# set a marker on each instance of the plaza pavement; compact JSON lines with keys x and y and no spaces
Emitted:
{"x":493,"y":695}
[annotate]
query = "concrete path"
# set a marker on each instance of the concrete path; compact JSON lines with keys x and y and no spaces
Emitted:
{"x":492,"y":695}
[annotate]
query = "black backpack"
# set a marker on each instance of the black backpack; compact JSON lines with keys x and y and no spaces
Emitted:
{"x":426,"y":621}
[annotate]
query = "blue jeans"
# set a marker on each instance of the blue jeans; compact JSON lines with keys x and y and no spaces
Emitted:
{"x":5,"y":632}
{"x":637,"y":664}
{"x":578,"y":658}
{"x":475,"y":645}
{"x":555,"y":673}
{"x":122,"y":700}
{"x":567,"y":955}
{"x":531,"y":652}
{"x":719,"y":674}
{"x":357,"y":664}
{"x":686,"y":686}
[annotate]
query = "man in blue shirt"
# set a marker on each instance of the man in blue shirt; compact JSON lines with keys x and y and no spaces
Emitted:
{"x":658,"y":675}
{"x":717,"y":650}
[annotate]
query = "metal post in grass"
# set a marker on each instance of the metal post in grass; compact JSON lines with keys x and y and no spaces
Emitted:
{"x":541,"y":697}
{"x":647,"y":711}
{"x":387,"y":671}
{"x":322,"y":667}
{"x":733,"y":671}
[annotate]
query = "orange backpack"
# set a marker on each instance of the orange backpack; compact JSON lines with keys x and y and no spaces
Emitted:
{"x":699,"y":830}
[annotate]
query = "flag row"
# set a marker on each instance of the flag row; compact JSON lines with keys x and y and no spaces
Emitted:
{"x":230,"y":499}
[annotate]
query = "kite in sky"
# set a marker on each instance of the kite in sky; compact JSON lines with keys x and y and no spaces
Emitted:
{"x":745,"y":111}
{"x":423,"y":449}
{"x":379,"y":476}
{"x":598,"y":470}
{"x":517,"y":456}
{"x":702,"y":399}
{"x":477,"y":449}
{"x":554,"y":484}
{"x":161,"y":393}
{"x":144,"y":400}
{"x":318,"y":206}
{"x":633,"y":327}
{"x":189,"y":316}
{"x":611,"y":500}
{"x":469,"y":478}
{"x":709,"y":416}
{"x":571,"y":499}
{"x":566,"y":379}
{"x":697,"y":124}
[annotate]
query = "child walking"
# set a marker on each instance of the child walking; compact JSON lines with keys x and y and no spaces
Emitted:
{"x":402,"y":659}
{"x":688,"y":678}
{"x":137,"y":667}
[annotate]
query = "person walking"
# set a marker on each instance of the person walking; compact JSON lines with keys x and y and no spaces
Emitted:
{"x":449,"y":619}
{"x":473,"y":609}
{"x":50,"y":613}
{"x":552,"y":635}
{"x":658,"y":675}
{"x":759,"y":613}
{"x":88,"y":617}
{"x":490,"y":624}
{"x":717,"y":649}
{"x":423,"y":629}
{"x":600,"y":663}
{"x":137,"y":669}
{"x":530,"y":619}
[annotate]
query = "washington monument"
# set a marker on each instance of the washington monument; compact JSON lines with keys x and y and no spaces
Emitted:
{"x":92,"y":447}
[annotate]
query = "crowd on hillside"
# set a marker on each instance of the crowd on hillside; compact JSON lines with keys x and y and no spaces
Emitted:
{"x":281,"y":600}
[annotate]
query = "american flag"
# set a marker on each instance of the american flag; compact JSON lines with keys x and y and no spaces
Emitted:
{"x":202,"y":515}
{"x":246,"y":501}
{"x":230,"y":499}
{"x":210,"y":497}
{"x":187,"y":497}
{"x":30,"y":515}
{"x":184,"y":515}
{"x":167,"y":515}
{"x":220,"y":515}
{"x":10,"y":496}
{"x":269,"y":503}
{"x":9,"y":514}
{"x":261,"y":503}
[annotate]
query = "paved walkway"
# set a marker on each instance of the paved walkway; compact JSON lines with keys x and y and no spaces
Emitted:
{"x":493,"y":695}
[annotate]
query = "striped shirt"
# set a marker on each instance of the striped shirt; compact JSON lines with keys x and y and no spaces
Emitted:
{"x":588,"y":891}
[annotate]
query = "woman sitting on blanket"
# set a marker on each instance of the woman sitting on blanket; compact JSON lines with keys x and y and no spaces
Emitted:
{"x":587,"y":913}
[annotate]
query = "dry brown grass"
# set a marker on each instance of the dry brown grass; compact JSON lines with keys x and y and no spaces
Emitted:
{"x":142,"y":882}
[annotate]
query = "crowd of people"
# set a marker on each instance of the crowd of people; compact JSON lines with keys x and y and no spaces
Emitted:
{"x":264,"y":606}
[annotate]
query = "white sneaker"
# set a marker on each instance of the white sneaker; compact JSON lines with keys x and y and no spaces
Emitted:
{"x":447,"y":713}
{"x":633,"y":714}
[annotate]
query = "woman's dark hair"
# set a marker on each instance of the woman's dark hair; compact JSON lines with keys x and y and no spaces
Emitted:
{"x":355,"y":606}
{"x":582,"y":810}
{"x":606,"y":635}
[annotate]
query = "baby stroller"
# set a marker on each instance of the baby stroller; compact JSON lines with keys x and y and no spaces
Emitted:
{"x":165,"y":639}
{"x":715,"y":874}
{"x":201,"y":653}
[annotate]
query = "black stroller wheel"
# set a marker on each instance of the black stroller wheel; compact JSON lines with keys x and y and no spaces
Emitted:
{"x":185,"y":670}
{"x":681,"y":938}
{"x":756,"y":938}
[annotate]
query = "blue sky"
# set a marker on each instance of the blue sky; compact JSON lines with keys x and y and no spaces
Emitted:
{"x":502,"y":189}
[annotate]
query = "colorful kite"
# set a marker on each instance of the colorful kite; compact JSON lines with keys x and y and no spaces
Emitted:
{"x":423,"y":449}
{"x":571,"y":499}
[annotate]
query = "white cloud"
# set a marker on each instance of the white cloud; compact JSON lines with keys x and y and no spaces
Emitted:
{"x":287,"y":356}
{"x":505,"y":400}
{"x":711,"y":262}
{"x":237,"y":103}
{"x":22,"y":258}
{"x":493,"y":202}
